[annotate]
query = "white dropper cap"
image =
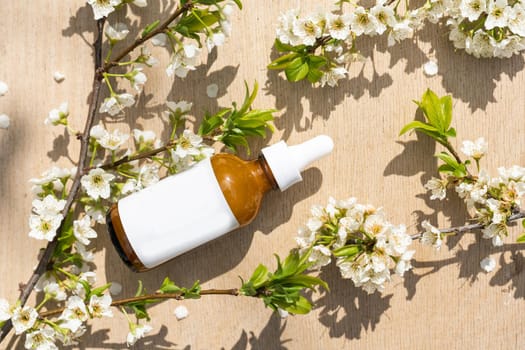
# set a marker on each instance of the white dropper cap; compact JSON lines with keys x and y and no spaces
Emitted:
{"x":287,"y":163}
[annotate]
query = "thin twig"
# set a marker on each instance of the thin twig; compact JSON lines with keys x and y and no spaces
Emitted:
{"x":152,"y":297}
{"x":127,"y":159}
{"x":467,"y":228}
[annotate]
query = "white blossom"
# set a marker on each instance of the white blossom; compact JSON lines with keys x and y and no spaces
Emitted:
{"x":4,"y":121}
{"x":77,"y":309}
{"x":320,"y":256}
{"x":180,"y":107}
{"x":306,"y":29}
{"x":332,"y":76}
{"x":488,"y":264}
{"x":183,"y":61}
{"x":516,"y":19}
{"x":432,"y":235}
{"x":6,"y":311}
{"x":362,"y":22}
{"x":115,"y":104}
{"x":188,"y":144}
{"x":41,"y":339}
{"x":100,"y":306}
{"x":476,"y":149}
{"x":116,"y":32}
{"x":284,"y":29}
{"x":55,"y":291}
{"x":159,"y":39}
{"x":438,"y":188}
{"x":102,"y":8}
{"x":113,"y":141}
{"x":83,"y":231}
{"x":496,"y":232}
{"x":97,"y":131}
{"x":87,"y":255}
{"x":400,"y":31}
{"x":3,"y":88}
{"x":23,"y":318}
{"x":58,"y":115}
{"x":48,"y":206}
{"x":498,"y":14}
{"x":137,"y":332}
{"x":430,"y":68}
{"x":472,"y":9}
{"x":138,"y":79}
{"x":384,"y":16}
{"x":44,"y":226}
{"x":97,"y":183}
{"x":96,"y":213}
{"x":181,"y":312}
{"x":215,"y":39}
{"x":59,"y":77}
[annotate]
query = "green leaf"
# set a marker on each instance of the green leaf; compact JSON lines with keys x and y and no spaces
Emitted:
{"x":259,"y":277}
{"x":149,"y":28}
{"x":431,"y":107}
{"x":300,"y":307}
{"x":297,"y":70}
{"x":521,"y":239}
{"x":282,"y":47}
{"x":283,"y":61}
{"x":168,"y":286}
{"x":316,"y":62}
{"x":347,"y":250}
{"x":448,"y":159}
{"x":100,"y":290}
{"x":446,"y":111}
{"x":418,"y":126}
{"x":314,"y":75}
{"x":196,"y":21}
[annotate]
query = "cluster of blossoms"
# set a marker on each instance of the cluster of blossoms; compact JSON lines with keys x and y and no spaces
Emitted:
{"x":43,"y":333}
{"x":326,"y":43}
{"x":335,"y":34}
{"x":483,"y":28}
{"x":366,"y":246}
{"x":491,"y":200}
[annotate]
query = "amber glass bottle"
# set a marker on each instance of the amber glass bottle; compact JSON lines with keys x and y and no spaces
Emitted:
{"x":215,"y":196}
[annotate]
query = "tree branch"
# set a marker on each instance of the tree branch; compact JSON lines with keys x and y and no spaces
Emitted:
{"x":100,"y":68}
{"x":84,"y":138}
{"x":154,"y":297}
{"x":466,"y":228}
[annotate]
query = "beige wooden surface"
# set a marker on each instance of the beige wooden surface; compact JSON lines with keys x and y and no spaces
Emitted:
{"x":447,"y":302}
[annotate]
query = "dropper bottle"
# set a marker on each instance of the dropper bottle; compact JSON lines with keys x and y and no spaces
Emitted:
{"x":217,"y":195}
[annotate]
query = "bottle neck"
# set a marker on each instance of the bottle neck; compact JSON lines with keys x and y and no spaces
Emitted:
{"x":271,"y":184}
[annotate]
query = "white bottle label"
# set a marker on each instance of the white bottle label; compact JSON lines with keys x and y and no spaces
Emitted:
{"x":176,"y":214}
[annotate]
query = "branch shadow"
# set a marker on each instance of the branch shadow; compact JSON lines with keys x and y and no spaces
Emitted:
{"x":346,"y":310}
{"x":418,"y":157}
{"x":269,"y":338}
{"x":468,"y":259}
{"x":463,"y":74}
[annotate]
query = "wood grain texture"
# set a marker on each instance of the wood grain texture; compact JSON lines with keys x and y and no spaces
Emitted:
{"x":446,"y":302}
